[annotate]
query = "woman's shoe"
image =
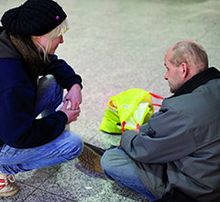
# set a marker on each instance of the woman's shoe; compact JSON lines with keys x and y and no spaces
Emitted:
{"x":7,"y":185}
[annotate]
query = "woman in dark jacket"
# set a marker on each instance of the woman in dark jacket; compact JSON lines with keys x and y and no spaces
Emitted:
{"x":32,"y":79}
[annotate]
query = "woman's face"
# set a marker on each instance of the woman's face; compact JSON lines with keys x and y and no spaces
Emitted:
{"x":44,"y":41}
{"x":55,"y":43}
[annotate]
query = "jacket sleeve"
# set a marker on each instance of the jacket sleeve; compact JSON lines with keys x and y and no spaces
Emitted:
{"x":63,"y":73}
{"x":19,"y":126}
{"x":165,"y":138}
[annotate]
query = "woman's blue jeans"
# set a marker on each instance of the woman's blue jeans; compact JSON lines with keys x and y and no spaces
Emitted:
{"x":65,"y":147}
{"x":119,"y":167}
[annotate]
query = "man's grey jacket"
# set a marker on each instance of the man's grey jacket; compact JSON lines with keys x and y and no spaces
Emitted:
{"x":180,"y":146}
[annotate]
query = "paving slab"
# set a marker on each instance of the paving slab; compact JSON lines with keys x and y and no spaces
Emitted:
{"x":116,"y":45}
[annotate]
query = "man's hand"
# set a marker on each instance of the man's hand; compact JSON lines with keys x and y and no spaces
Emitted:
{"x":138,"y":128}
{"x":74,"y":96}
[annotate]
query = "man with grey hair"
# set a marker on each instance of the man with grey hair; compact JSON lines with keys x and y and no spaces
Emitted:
{"x":191,"y":59}
{"x":190,"y":52}
{"x":176,"y":155}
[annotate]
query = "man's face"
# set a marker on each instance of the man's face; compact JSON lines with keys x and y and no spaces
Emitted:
{"x":173,"y":74}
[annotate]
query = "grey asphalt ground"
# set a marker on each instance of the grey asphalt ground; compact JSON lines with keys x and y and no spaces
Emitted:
{"x":115,"y":45}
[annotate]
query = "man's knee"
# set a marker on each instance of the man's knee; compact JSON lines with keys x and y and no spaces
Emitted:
{"x":112,"y":160}
{"x":106,"y":160}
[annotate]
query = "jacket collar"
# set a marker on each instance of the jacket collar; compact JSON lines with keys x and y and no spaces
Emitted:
{"x":197,"y":80}
{"x":7,"y":50}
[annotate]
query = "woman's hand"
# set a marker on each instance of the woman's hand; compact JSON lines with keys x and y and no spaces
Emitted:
{"x":74,"y":96}
{"x":71,"y":114}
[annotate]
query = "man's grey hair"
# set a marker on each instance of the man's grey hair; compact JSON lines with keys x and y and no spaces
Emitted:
{"x":190,"y":53}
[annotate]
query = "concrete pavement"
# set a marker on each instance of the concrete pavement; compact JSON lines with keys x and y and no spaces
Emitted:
{"x":116,"y":45}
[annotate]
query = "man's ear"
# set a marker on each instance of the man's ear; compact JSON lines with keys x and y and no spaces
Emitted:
{"x":184,"y":69}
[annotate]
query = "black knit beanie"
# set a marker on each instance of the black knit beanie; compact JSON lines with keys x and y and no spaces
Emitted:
{"x":33,"y":18}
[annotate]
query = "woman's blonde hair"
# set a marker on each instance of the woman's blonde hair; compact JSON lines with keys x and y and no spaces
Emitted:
{"x":59,"y":30}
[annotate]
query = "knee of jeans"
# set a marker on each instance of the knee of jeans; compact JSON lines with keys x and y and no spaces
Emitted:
{"x":50,"y":82}
{"x":74,"y":149}
{"x":106,"y":162}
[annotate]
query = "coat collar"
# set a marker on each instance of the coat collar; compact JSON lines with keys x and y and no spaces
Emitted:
{"x":198,"y":80}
